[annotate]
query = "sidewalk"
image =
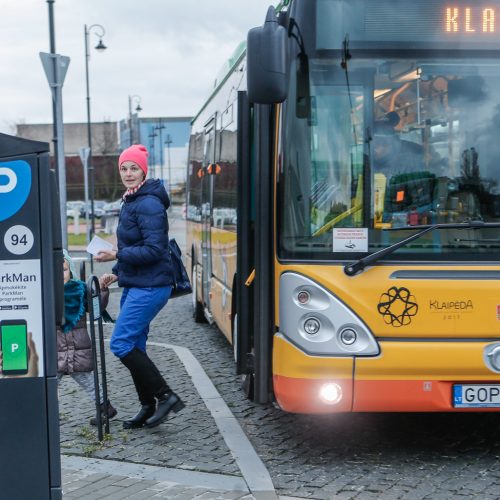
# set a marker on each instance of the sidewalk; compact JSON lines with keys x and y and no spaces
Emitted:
{"x":202,"y":452}
{"x":207,"y":437}
{"x":95,"y":479}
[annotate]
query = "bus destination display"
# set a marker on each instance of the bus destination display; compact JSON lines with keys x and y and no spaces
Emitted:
{"x":426,"y":23}
{"x":470,"y":20}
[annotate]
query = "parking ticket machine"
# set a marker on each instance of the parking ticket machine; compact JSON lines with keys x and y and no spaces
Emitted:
{"x":31,"y":302}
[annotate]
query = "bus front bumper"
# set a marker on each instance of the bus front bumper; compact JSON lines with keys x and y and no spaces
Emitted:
{"x":406,"y":377}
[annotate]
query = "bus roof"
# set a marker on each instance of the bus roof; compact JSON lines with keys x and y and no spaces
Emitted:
{"x":224,"y":73}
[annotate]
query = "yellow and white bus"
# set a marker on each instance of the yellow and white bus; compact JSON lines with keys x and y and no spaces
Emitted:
{"x":344,"y":206}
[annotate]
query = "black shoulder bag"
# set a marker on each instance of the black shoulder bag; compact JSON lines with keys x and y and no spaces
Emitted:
{"x":181,"y":286}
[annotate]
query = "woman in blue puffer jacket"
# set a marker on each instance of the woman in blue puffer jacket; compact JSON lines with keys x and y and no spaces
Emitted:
{"x":144,"y":270}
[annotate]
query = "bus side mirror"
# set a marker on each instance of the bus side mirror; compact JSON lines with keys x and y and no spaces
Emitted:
{"x":267,"y":74}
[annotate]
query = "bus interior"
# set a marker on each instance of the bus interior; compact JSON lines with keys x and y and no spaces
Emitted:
{"x":424,"y":131}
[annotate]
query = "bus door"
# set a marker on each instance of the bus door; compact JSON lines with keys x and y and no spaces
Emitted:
{"x":255,"y":284}
{"x":245,"y":263}
{"x":206,"y":213}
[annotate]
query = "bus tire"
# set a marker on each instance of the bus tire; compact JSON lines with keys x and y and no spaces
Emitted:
{"x":198,"y":313}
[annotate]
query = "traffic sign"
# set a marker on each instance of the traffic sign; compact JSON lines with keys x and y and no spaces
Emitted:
{"x":48,"y":66}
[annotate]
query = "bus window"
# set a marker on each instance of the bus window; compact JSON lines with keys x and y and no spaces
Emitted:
{"x":325,"y":163}
{"x":195,"y":174}
{"x":224,"y":189}
{"x":427,"y":135}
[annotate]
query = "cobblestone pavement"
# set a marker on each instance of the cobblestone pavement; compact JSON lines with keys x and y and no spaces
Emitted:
{"x":88,"y":479}
{"x":362,"y":456}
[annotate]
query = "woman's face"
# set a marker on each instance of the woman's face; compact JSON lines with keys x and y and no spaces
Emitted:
{"x":131,"y":174}
{"x":67,"y":273}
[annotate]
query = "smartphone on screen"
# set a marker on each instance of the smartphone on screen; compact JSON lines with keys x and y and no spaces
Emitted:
{"x":14,"y":345}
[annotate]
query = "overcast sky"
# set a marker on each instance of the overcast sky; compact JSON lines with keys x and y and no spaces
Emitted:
{"x":166,"y":51}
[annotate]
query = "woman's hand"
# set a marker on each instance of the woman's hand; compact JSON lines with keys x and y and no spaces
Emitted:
{"x":105,"y":256}
{"x":106,"y":279}
{"x":33,"y":358}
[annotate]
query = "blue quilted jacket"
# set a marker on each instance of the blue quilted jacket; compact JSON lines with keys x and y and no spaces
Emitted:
{"x":143,"y":257}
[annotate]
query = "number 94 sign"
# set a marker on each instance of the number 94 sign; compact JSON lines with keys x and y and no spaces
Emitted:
{"x":18,"y":240}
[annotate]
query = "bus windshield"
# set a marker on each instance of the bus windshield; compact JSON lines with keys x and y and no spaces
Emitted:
{"x":384,"y":144}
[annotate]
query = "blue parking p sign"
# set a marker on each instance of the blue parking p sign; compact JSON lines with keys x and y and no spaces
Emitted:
{"x":15,"y":187}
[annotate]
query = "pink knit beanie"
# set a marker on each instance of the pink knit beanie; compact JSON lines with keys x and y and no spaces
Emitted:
{"x":136,"y":153}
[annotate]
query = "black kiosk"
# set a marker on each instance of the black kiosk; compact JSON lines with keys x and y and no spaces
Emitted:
{"x":31,"y":302}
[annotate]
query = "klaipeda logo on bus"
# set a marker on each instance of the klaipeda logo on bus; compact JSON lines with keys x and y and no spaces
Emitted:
{"x":456,"y":305}
{"x":397,"y":306}
{"x":15,"y":186}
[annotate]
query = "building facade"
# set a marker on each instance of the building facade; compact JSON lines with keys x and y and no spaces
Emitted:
{"x":167,"y":141}
{"x":105,"y":151}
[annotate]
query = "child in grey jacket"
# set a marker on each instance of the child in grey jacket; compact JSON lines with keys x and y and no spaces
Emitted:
{"x":74,"y":348}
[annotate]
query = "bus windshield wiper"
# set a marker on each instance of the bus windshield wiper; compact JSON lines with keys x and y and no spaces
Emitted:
{"x":358,"y":266}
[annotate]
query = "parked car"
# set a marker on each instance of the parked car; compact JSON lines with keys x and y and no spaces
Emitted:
{"x":98,"y":208}
{"x":73,"y":208}
{"x":112,"y":208}
{"x":109,"y":220}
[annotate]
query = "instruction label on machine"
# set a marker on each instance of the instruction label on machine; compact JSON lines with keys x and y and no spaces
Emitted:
{"x":350,"y":239}
{"x":21,"y":317}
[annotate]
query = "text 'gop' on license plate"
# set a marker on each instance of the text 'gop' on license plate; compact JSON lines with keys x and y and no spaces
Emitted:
{"x":476,"y":396}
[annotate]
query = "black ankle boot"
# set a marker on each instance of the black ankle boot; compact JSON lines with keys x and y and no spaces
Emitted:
{"x":166,"y":403}
{"x":147,"y":379}
{"x":111,"y":413}
{"x":145,"y":412}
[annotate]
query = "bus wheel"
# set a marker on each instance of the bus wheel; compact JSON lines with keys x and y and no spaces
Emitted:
{"x":198,"y":314}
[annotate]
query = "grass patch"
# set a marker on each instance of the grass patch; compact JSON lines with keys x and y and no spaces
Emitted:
{"x":93,"y":444}
{"x":81,"y":239}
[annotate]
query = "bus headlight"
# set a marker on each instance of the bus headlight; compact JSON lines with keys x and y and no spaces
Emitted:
{"x":330,"y":393}
{"x":348,"y":336}
{"x":312,"y":326}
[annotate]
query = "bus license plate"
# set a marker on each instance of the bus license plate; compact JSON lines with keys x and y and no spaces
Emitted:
{"x":476,"y":396}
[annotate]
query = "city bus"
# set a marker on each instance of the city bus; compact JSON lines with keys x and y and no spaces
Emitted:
{"x":344,"y":206}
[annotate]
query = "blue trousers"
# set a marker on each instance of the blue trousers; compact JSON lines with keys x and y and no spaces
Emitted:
{"x":138,"y":307}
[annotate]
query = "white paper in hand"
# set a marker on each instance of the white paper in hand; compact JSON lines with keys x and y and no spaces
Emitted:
{"x":98,"y":245}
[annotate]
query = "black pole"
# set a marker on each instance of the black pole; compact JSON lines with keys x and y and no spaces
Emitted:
{"x":152,"y":136}
{"x":130,"y":120}
{"x":160,"y":128}
{"x":90,"y":307}
{"x":102,"y":354}
{"x":95,"y":313}
{"x":168,"y":142}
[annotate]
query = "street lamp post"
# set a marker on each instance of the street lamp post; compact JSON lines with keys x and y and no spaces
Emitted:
{"x":168,"y":142}
{"x":137,"y":109}
{"x":152,"y":136}
{"x":160,"y":128}
{"x":99,"y":47}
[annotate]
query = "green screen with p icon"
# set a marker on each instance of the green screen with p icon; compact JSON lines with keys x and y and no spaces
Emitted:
{"x":14,"y":347}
